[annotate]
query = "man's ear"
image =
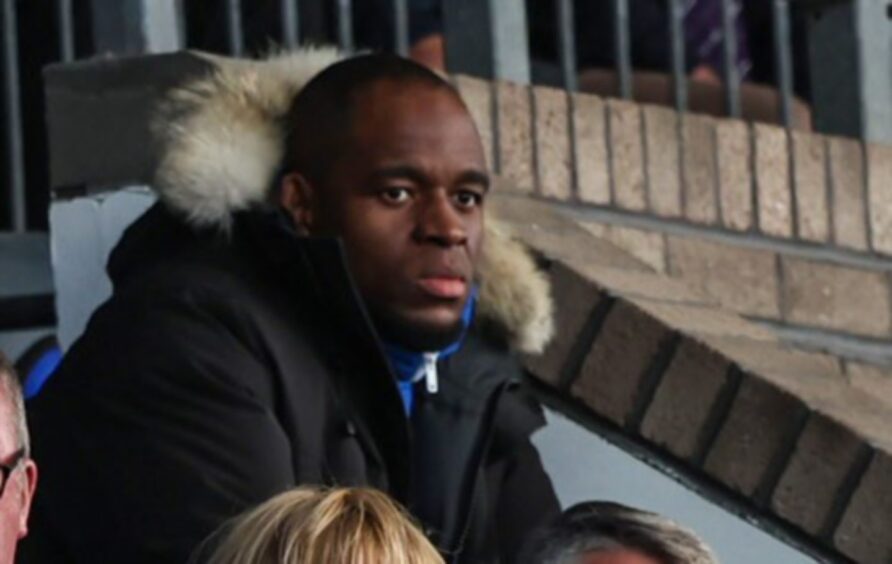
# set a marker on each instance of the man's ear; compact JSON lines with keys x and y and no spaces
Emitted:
{"x":26,"y":493}
{"x":297,"y":198}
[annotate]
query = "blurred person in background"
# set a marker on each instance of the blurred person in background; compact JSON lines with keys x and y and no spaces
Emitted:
{"x":338,"y":526}
{"x":599,"y":532}
{"x":649,"y":37}
{"x":18,"y":473}
{"x":373,"y":26}
{"x":651,"y":54}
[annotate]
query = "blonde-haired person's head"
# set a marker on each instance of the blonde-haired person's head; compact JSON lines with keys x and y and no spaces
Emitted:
{"x":337,"y":526}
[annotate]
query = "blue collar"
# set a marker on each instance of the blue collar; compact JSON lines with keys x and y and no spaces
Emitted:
{"x":407,"y":363}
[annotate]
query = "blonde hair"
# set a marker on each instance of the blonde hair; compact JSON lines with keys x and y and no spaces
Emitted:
{"x":338,"y":526}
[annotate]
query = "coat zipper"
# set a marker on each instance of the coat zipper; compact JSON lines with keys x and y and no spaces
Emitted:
{"x":480,"y":447}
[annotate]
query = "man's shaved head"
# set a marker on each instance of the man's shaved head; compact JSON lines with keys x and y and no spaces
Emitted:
{"x":383,"y":154}
{"x":321,"y":116}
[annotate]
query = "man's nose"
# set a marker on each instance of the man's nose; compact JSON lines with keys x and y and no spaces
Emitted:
{"x":440,"y":223}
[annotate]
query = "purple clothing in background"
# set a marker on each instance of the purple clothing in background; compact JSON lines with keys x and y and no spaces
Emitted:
{"x":703,"y":34}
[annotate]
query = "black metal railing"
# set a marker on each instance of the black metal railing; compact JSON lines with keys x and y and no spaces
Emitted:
{"x":12,"y":123}
{"x":470,"y":28}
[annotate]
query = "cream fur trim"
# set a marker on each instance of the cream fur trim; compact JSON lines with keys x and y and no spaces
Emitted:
{"x":222,"y":142}
{"x":222,"y":135}
{"x":514,"y":292}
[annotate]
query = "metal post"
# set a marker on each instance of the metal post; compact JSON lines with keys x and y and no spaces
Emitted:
{"x":622,"y":47}
{"x":730,"y":13}
{"x":874,"y":33}
{"x":234,"y":34}
{"x":290,"y":24}
{"x":783,"y":59}
{"x":401,"y":27}
{"x":182,"y":31}
{"x":15,"y":155}
{"x":475,"y":28}
{"x":66,"y":30}
{"x":345,"y":25}
{"x":677,"y":49}
{"x":851,"y":69}
{"x":567,"y":46}
{"x":136,"y":26}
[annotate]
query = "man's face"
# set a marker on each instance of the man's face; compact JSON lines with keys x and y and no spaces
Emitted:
{"x":19,"y":489}
{"x":406,"y":198}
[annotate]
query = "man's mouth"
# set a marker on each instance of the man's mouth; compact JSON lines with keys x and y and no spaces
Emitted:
{"x":444,"y":287}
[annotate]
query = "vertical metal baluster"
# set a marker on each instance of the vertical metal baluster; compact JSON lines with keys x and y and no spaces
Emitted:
{"x":783,"y":59}
{"x":677,"y":39}
{"x":234,"y":27}
{"x":182,"y":27}
{"x":622,"y":47}
{"x":567,"y":39}
{"x":290,"y":23}
{"x":487,"y":38}
{"x":345,"y":25}
{"x":66,"y":30}
{"x":401,"y":27}
{"x":12,"y":108}
{"x":730,"y":11}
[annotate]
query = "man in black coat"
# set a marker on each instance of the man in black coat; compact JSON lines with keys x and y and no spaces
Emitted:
{"x":311,"y":302}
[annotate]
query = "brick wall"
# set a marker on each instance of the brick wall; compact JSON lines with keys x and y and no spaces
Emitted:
{"x":762,"y":283}
{"x":684,"y":251}
{"x":732,"y":176}
{"x":800,"y":435}
{"x":776,"y":225}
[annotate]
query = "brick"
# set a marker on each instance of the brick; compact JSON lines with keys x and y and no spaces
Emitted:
{"x":647,"y":246}
{"x":815,"y":378}
{"x":612,"y":371}
{"x":553,"y":143}
{"x":773,"y":180}
{"x":847,"y":182}
{"x":733,"y":153}
{"x":627,"y":155}
{"x":683,"y":399}
{"x":647,"y":285}
{"x":758,"y":427}
{"x":809,"y":485}
{"x":700,"y":174}
{"x":592,"y":169}
{"x":810,"y":174}
{"x":741,"y":279}
{"x":870,"y":419}
{"x":863,"y":533}
{"x":836,"y":297}
{"x":873,"y":380}
{"x":477,"y":95}
{"x":663,"y":152}
{"x":576,"y":298}
{"x":879,"y":188}
{"x":705,"y":321}
{"x":515,"y":135}
{"x":543,"y":228}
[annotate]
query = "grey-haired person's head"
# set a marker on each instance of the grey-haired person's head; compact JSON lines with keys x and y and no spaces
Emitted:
{"x":592,"y":531}
{"x":11,"y":400}
{"x":18,"y":473}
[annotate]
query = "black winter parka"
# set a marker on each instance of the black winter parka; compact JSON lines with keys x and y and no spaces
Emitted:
{"x":235,"y":360}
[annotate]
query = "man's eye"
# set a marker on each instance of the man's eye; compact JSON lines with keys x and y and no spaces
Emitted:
{"x":395,"y":195}
{"x":468,"y":199}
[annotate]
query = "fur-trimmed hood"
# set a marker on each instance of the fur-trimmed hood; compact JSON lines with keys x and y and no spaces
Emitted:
{"x":222,"y":142}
